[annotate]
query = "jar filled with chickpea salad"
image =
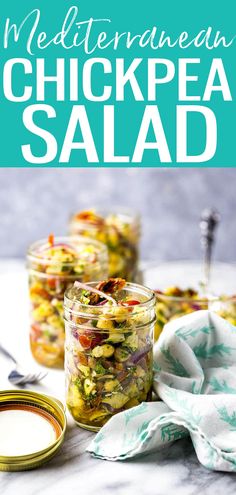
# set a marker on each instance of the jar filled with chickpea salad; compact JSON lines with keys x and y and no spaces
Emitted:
{"x":109,"y":349}
{"x":53,"y":265}
{"x":120,"y":231}
{"x":179,"y":290}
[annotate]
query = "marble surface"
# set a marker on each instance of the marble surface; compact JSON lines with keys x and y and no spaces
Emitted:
{"x":174,"y":470}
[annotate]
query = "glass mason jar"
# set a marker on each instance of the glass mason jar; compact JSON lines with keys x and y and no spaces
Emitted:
{"x":224,"y":306}
{"x":179,"y":291}
{"x":174,"y":303}
{"x":108,"y":354}
{"x":169,"y":307}
{"x":119,"y":231}
{"x":53,"y":266}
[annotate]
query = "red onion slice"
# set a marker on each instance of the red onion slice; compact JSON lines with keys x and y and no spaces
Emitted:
{"x":139,"y":354}
{"x":112,"y":409}
{"x":88,"y":288}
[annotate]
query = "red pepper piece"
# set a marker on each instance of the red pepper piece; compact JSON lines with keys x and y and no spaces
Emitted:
{"x":85,"y":341}
{"x":131,"y":302}
{"x":51,"y":240}
{"x":52,"y":282}
{"x":35,"y":332}
{"x":40,"y":292}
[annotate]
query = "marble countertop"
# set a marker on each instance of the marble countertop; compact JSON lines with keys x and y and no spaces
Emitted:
{"x":174,"y":470}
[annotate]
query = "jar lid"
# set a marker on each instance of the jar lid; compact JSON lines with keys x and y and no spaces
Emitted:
{"x":32,"y":428}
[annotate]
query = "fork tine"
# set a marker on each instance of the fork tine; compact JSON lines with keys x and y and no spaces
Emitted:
{"x":18,"y":379}
{"x":31,"y":378}
{"x":42,"y":375}
{"x":36,"y":377}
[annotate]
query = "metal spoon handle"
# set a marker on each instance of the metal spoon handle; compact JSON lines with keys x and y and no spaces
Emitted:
{"x":208,"y":223}
{"x":7,"y":354}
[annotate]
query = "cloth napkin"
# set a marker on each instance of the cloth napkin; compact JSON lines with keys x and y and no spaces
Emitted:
{"x":195,"y":378}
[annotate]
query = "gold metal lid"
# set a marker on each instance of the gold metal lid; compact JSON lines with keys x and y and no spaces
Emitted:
{"x":32,"y":428}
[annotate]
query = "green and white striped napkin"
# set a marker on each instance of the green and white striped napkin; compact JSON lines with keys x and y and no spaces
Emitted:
{"x":195,"y":378}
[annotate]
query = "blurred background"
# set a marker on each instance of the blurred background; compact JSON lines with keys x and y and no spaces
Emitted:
{"x":36,"y":202}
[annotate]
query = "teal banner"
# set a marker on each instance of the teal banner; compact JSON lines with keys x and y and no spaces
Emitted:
{"x":118,"y":84}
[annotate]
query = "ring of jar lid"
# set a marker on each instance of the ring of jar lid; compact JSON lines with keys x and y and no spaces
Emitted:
{"x":50,"y":410}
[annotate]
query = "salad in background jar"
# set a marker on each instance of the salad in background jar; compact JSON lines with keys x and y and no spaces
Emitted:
{"x":179,"y":291}
{"x":119,"y":231}
{"x":53,"y":266}
{"x":109,"y":349}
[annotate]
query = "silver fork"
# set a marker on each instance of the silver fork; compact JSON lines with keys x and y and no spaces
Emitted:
{"x":17,"y":376}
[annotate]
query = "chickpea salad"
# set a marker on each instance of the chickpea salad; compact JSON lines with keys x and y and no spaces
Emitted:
{"x":109,"y":342}
{"x":53,"y":266}
{"x":174,"y":302}
{"x":119,"y":232}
